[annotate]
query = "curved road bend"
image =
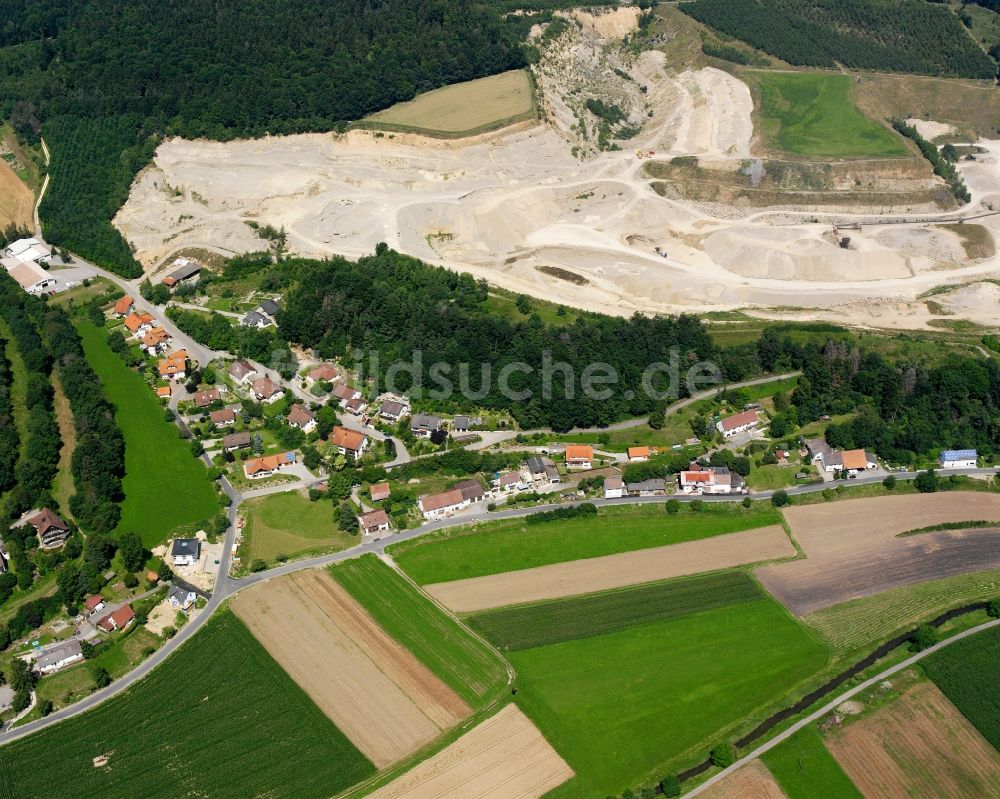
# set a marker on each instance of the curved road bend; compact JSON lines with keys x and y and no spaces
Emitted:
{"x":833,"y":703}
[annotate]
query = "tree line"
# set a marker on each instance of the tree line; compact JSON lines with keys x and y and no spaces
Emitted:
{"x":942,"y":166}
{"x":887,"y":35}
{"x":10,"y":442}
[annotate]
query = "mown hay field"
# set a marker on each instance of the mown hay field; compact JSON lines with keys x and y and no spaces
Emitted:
{"x":527,"y":626}
{"x":467,"y":665}
{"x":289,"y":524}
{"x":219,"y":718}
{"x":463,"y":108}
{"x":17,"y":203}
{"x":805,"y":769}
{"x":654,"y":698}
{"x":512,"y":545}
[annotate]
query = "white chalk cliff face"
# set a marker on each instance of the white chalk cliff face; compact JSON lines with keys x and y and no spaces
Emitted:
{"x":511,"y":206}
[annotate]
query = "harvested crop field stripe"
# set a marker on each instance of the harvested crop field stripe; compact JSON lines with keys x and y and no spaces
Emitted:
{"x":544,"y":623}
{"x":386,"y":701}
{"x":470,"y":667}
{"x":805,"y":769}
{"x":504,"y":757}
{"x":614,"y":571}
{"x":752,"y":781}
{"x":918,"y":745}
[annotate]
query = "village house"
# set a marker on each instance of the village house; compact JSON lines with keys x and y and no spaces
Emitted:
{"x":958,"y":459}
{"x":301,"y":417}
{"x":59,"y":657}
{"x":348,"y":442}
{"x":472,"y":490}
{"x":242,"y":372}
{"x":380,"y":492}
{"x":269,"y":308}
{"x":355,"y":406}
{"x":138,"y":324}
{"x":654,"y":487}
{"x":738,"y":423}
{"x":374,"y":522}
{"x":435,"y":506}
{"x":181,"y":598}
{"x":460,"y":424}
{"x":118,"y":620}
{"x":506,"y":482}
{"x":185,"y":551}
{"x":256,"y":320}
{"x":698,"y":479}
{"x":422,"y":425}
{"x":832,"y":460}
{"x":164,"y":392}
{"x":174,"y":366}
{"x":266,"y":390}
{"x":31,"y":250}
{"x":92,"y":604}
{"x":236,"y":441}
{"x":638,"y":454}
{"x":186,"y":270}
{"x":258,"y":468}
{"x":156,"y":341}
{"x":345,"y":393}
{"x":322,"y":373}
{"x":614,"y":488}
{"x":123,"y":307}
{"x":205,"y":398}
{"x":579,"y":456}
{"x":52,"y":531}
{"x":224,"y":417}
{"x":392,"y":411}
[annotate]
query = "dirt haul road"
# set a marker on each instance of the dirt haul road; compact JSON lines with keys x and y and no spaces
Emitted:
{"x":502,"y":206}
{"x":376,"y":692}
{"x":613,"y":571}
{"x":852,"y":549}
{"x":504,"y":757}
{"x":919,"y":745}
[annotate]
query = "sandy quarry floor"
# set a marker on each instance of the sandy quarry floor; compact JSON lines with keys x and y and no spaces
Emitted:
{"x":919,"y":745}
{"x":613,"y":571}
{"x":504,"y":757}
{"x":852,"y":549}
{"x":376,"y":692}
{"x":503,"y":205}
{"x":753,"y":781}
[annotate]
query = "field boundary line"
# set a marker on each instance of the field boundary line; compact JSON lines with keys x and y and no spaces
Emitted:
{"x":839,"y":699}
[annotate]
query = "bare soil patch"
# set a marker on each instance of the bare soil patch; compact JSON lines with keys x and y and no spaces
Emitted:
{"x":504,"y":757}
{"x":852,"y":550}
{"x":614,"y":571}
{"x":753,"y":781}
{"x":381,"y":697}
{"x":17,"y":203}
{"x":920,"y":745}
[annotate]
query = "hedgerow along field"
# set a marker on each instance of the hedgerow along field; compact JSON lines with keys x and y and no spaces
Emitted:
{"x":527,"y":626}
{"x":813,"y":114}
{"x":468,"y":666}
{"x":967,"y":674}
{"x":462,"y":109}
{"x":165,"y":486}
{"x":805,"y":769}
{"x":219,"y":718}
{"x":654,"y":699}
{"x":511,"y":545}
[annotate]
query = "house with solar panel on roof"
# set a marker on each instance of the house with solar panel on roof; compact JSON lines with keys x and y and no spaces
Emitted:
{"x":958,"y":458}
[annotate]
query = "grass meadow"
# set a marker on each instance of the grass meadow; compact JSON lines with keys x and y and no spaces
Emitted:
{"x":165,"y":487}
{"x":219,"y":718}
{"x":654,"y":698}
{"x":438,"y":641}
{"x":805,"y":769}
{"x":289,"y":524}
{"x":511,"y":545}
{"x":813,"y":114}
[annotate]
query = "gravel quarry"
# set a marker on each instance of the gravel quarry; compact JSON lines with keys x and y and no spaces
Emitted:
{"x":535,"y":208}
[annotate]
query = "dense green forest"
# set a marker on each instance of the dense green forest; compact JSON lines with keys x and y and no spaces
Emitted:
{"x":888,"y":35}
{"x":901,"y":409}
{"x":102,"y":81}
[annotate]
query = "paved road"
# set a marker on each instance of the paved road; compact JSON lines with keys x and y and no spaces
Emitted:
{"x":833,"y":703}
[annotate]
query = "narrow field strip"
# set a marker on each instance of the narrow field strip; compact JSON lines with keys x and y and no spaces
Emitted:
{"x":614,"y":571}
{"x":504,"y":757}
{"x":527,"y":626}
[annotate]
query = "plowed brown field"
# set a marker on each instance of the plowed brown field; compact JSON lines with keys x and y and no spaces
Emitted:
{"x":381,"y":697}
{"x":613,"y":571}
{"x":920,"y":745}
{"x":852,"y":549}
{"x":504,"y":757}
{"x":753,"y":781}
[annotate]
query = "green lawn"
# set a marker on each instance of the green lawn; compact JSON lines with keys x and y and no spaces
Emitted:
{"x":289,"y":524}
{"x":219,"y":718}
{"x":510,"y":545}
{"x":763,"y":478}
{"x":165,"y":487}
{"x":805,"y":769}
{"x":473,"y":671}
{"x":653,"y":699}
{"x":814,"y":114}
